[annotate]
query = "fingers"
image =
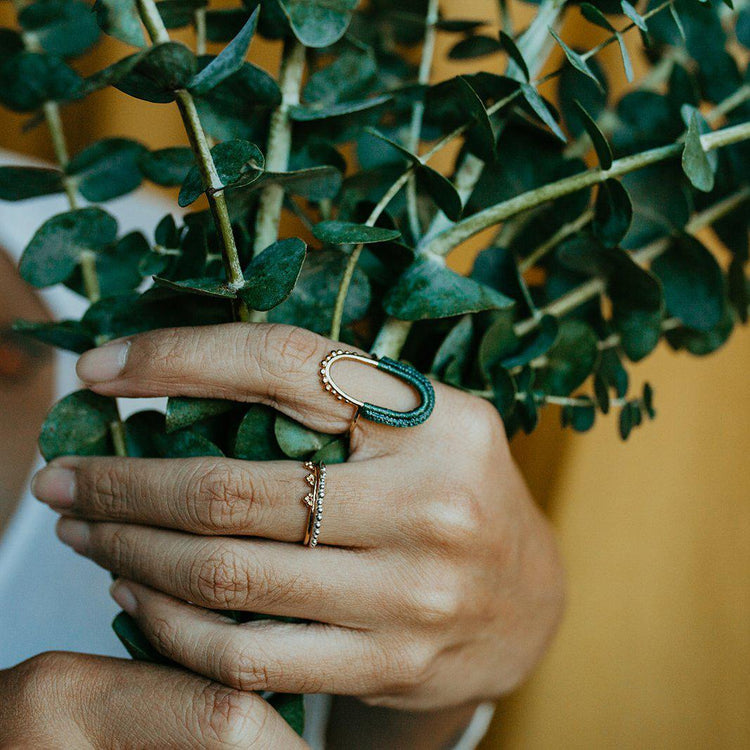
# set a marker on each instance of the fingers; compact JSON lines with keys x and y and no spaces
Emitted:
{"x":94,"y":701}
{"x":227,"y":497}
{"x":326,"y":584}
{"x":273,"y":364}
{"x":267,"y":655}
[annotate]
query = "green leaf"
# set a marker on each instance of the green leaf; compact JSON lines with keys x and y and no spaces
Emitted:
{"x":571,"y":360}
{"x":453,"y":354}
{"x":184,"y":412}
{"x":120,"y":19}
{"x":625,"y":55}
{"x":603,"y":151}
{"x":633,"y":15}
{"x":695,"y":161}
{"x":310,"y":305}
{"x":78,"y":425}
{"x":167,"y":166}
{"x":291,"y":708}
{"x":350,"y":77}
{"x":318,"y":23}
{"x":440,"y":189}
{"x":229,"y":61}
{"x":64,"y":334}
{"x":514,"y":53}
{"x":237,"y":163}
{"x":61,"y":27}
{"x":20,"y":183}
{"x":349,"y":233}
{"x":57,"y":246}
{"x":613,"y":213}
{"x":117,"y":266}
{"x":315,"y":183}
{"x":323,"y":110}
{"x":296,"y":440}
{"x":159,"y":72}
{"x":29,"y":79}
{"x":136,"y":644}
{"x":480,"y":136}
{"x":430,"y":290}
{"x":11,"y":43}
{"x":693,"y":283}
{"x":146,"y":437}
{"x":592,"y":14}
{"x":255,"y":439}
{"x":336,"y":452}
{"x":542,"y":110}
{"x":207,"y":287}
{"x":580,"y":417}
{"x":476,"y":45}
{"x":272,"y":274}
{"x":535,"y":345}
{"x":107,"y":169}
{"x":575,"y":59}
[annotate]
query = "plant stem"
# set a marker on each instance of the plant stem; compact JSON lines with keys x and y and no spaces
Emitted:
{"x":278,"y":148}
{"x":199,"y":19}
{"x":351,"y":263}
{"x":445,"y":242}
{"x":564,"y":231}
{"x":417,"y":113}
{"x":199,"y":143}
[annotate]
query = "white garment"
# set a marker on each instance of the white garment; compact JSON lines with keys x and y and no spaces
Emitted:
{"x":50,"y":597}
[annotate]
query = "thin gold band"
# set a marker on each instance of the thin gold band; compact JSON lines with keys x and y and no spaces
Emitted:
{"x":316,"y":478}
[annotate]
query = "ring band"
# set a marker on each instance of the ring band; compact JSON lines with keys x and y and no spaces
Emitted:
{"x":316,"y":478}
{"x":373,"y":412}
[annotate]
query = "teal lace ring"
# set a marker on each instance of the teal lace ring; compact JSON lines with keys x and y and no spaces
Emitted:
{"x":373,"y":412}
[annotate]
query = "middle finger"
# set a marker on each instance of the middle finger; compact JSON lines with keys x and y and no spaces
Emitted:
{"x":227,"y":497}
{"x":329,"y":585}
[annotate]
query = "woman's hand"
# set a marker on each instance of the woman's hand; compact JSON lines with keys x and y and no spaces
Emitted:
{"x":436,"y":581}
{"x":60,"y":700}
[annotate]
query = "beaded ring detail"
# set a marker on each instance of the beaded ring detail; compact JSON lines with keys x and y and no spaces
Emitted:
{"x":316,"y":478}
{"x":373,"y":412}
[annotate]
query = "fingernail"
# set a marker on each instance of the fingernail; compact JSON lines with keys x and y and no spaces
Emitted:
{"x":55,"y":486}
{"x":74,"y":533}
{"x":124,"y":596}
{"x":103,"y":364}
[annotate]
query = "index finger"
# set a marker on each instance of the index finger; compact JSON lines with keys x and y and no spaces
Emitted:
{"x":274,"y":364}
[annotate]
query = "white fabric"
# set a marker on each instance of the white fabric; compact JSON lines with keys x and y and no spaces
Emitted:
{"x":51,"y":598}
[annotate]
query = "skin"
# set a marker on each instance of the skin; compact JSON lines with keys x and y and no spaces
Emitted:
{"x":437,"y":583}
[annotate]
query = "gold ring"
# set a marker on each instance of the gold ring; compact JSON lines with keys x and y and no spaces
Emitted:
{"x":316,"y":478}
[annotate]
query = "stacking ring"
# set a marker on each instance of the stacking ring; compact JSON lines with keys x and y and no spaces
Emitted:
{"x":316,"y":478}
{"x":375,"y":413}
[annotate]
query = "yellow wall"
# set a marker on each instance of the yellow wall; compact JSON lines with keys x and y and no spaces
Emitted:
{"x":655,"y":648}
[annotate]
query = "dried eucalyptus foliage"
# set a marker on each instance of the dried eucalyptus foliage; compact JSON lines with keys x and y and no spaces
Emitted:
{"x":594,"y":202}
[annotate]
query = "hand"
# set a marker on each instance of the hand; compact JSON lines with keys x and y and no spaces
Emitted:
{"x":436,"y":582}
{"x":59,"y":700}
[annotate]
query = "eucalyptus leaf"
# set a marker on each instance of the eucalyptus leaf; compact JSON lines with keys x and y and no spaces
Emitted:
{"x":255,"y":439}
{"x":272,"y":274}
{"x":542,"y":110}
{"x":185,"y":412}
{"x":61,"y":27}
{"x":296,"y":440}
{"x":695,"y":161}
{"x":613,"y":212}
{"x":229,"y":61}
{"x":107,"y":169}
{"x":29,"y":79}
{"x":601,"y":146}
{"x":166,"y":166}
{"x":21,"y":183}
{"x":430,"y":290}
{"x":514,"y":53}
{"x":349,"y":233}
{"x":318,"y":23}
{"x":575,"y":59}
{"x":570,"y":361}
{"x":120,"y":19}
{"x":71,"y":335}
{"x":59,"y":244}
{"x":159,"y":73}
{"x":78,"y":425}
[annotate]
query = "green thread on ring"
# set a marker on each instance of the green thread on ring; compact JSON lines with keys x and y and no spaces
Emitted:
{"x":380,"y":414}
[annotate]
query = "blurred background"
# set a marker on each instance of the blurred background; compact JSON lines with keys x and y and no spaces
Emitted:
{"x":654,"y":650}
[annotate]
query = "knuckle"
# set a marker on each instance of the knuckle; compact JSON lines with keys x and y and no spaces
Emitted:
{"x":441,"y":604}
{"x":242,"y":669}
{"x":408,"y":667}
{"x":218,"y":579}
{"x":456,"y":518}
{"x":113,"y":547}
{"x":486,"y":428}
{"x":99,"y":484}
{"x":288,"y":350}
{"x":163,"y":635}
{"x":228,"y":717}
{"x":223,"y":495}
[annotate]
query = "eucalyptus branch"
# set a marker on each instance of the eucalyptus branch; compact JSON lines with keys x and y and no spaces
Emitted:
{"x":645,"y":255}
{"x":417,"y":114}
{"x":549,"y":244}
{"x":199,"y":20}
{"x":451,"y":238}
{"x":158,"y":33}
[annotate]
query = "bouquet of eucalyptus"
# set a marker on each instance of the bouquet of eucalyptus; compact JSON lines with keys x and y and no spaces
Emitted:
{"x":593,"y":204}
